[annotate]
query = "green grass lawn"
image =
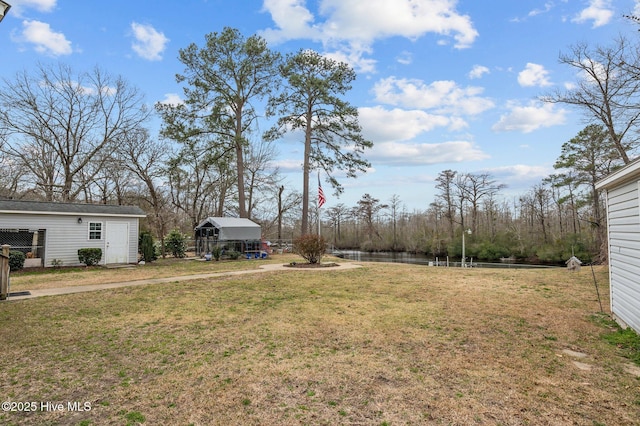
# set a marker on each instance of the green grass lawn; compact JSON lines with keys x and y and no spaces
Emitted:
{"x":384,"y":344}
{"x":27,"y":279}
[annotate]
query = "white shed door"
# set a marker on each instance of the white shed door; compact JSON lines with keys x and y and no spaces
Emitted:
{"x":117,"y":242}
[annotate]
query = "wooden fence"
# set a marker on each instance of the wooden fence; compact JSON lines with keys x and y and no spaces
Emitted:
{"x":4,"y":272}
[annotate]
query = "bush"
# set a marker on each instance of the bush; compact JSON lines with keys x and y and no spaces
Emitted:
{"x":90,"y":256}
{"x":233,"y":255}
{"x":216,"y":252}
{"x":311,"y":247}
{"x":16,"y":260}
{"x":560,"y":250}
{"x":147,"y":247}
{"x":487,"y":250}
{"x":176,"y":244}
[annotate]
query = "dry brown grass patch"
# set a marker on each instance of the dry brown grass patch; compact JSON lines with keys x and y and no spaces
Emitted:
{"x":394,"y":344}
{"x":66,"y":277}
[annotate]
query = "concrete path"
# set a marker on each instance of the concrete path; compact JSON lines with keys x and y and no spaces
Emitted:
{"x":95,"y":287}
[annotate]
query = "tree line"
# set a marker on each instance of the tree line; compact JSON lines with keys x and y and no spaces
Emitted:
{"x":84,"y":137}
{"x":561,"y":216}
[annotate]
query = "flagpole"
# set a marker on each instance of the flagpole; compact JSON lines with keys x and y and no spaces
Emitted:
{"x":319,"y":206}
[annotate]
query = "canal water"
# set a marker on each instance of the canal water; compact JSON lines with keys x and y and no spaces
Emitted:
{"x":421,"y":259}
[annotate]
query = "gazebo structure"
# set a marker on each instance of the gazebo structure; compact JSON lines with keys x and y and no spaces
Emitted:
{"x":229,"y":233}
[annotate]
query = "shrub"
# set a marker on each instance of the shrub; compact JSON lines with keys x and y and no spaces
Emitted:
{"x":216,"y":252}
{"x":311,"y":247}
{"x":233,"y":255}
{"x":175,"y":243}
{"x":16,"y":260}
{"x":57,"y":263}
{"x":488,"y":250}
{"x":90,"y":256}
{"x":147,"y":247}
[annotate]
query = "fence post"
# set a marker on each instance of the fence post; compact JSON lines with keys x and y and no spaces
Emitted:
{"x":4,"y":272}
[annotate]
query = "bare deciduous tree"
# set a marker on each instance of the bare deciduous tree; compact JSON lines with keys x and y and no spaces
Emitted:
{"x":445,"y":183}
{"x":608,"y":90}
{"x":58,"y":122}
{"x":146,"y":159}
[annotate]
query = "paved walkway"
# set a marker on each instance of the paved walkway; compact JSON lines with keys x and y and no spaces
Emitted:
{"x":95,"y":287}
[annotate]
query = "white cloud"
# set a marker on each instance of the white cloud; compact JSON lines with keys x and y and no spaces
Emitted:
{"x":288,"y":165}
{"x":547,"y":7}
{"x":521,"y":172}
{"x":355,"y":58}
{"x":443,"y":96}
{"x":526,"y":119}
{"x":18,"y":7}
{"x":374,"y":19}
{"x":293,"y":20}
{"x":598,"y":72}
{"x":534,"y":75}
{"x":418,"y":154}
{"x":382,"y":125}
{"x":478,"y":71}
{"x":599,"y":11}
{"x":350,"y":27}
{"x":92,"y":90}
{"x":149,"y":43}
{"x":172,"y":99}
{"x":44,"y":39}
{"x":405,"y":58}
{"x":519,"y":177}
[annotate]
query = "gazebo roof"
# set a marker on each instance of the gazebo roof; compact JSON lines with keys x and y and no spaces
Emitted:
{"x":232,"y":228}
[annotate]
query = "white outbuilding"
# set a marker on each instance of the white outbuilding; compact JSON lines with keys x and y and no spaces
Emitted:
{"x":51,"y":233}
{"x":622,"y":195}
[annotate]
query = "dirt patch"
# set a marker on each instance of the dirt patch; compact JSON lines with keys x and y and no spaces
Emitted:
{"x":311,"y":265}
{"x":582,"y":366}
{"x":632,"y":369}
{"x":574,"y":353}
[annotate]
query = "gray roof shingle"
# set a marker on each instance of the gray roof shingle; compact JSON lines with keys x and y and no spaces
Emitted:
{"x":10,"y":206}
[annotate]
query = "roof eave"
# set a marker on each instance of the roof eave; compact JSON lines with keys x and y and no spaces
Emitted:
{"x":626,"y":174}
{"x":30,"y":212}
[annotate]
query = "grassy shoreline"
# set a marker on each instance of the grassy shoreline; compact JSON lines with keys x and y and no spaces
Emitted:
{"x":383,"y":344}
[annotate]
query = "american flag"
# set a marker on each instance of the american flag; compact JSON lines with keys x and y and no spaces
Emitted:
{"x":321,"y":199}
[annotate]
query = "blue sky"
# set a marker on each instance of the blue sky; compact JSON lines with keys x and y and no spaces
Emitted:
{"x":442,"y":84}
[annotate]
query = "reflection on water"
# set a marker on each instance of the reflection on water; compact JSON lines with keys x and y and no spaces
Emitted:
{"x":401,"y":257}
{"x":421,"y":259}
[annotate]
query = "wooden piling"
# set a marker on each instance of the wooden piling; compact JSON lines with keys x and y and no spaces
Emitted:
{"x":4,"y":272}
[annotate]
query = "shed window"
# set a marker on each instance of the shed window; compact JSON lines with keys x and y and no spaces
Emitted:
{"x":95,"y":230}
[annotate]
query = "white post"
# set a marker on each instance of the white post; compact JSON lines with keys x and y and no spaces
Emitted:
{"x":463,"y":256}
